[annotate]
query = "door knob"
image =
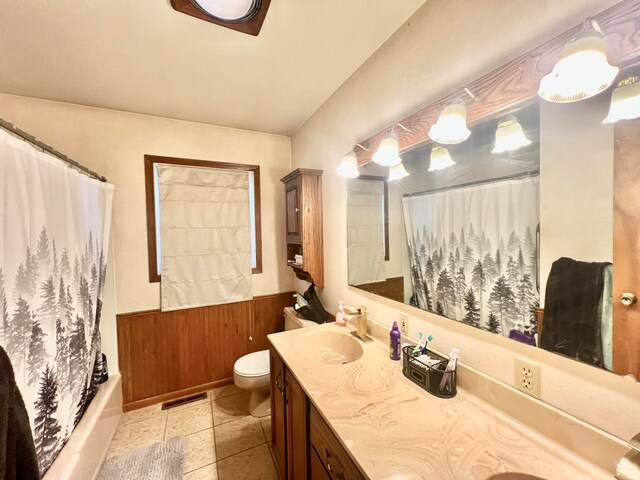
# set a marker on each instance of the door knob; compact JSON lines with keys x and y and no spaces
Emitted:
{"x":628,"y":299}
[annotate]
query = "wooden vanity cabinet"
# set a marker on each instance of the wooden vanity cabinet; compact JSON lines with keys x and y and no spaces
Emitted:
{"x":289,"y":406}
{"x":304,"y":447}
{"x":303,"y":215}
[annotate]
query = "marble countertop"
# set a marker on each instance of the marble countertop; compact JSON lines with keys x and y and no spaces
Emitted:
{"x":395,"y":430}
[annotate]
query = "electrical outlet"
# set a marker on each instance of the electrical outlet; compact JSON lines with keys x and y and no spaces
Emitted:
{"x":527,"y":376}
{"x":404,"y":324}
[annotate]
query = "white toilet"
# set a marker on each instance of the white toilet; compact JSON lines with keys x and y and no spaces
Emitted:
{"x":251,"y":372}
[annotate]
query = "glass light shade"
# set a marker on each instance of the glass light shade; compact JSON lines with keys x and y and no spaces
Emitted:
{"x":451,"y":126}
{"x":509,"y":136}
{"x":397,"y":172}
{"x":440,"y":159}
{"x":349,"y":166}
{"x":387,"y":154}
{"x":625,"y":100}
{"x":227,"y":9}
{"x":581,"y":72}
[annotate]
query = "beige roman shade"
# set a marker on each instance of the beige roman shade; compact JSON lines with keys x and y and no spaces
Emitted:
{"x":365,"y":231}
{"x":204,"y":235}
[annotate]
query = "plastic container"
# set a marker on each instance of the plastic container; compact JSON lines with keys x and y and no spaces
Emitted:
{"x":429,"y":377}
{"x":394,"y":342}
{"x":340,"y":321}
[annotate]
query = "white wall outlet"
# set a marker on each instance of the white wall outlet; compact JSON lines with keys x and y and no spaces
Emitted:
{"x":527,"y":376}
{"x":404,"y":324}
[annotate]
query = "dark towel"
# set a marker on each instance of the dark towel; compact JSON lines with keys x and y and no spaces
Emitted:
{"x":571,"y":310}
{"x":17,"y":451}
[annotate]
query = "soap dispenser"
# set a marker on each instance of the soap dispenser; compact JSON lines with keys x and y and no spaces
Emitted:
{"x":340,"y":320}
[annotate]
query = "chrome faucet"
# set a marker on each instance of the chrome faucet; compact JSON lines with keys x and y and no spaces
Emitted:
{"x":628,"y":467}
{"x":360,"y":315}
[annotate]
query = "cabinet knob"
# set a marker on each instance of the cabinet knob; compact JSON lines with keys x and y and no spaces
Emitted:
{"x":628,"y":299}
{"x":297,"y":209}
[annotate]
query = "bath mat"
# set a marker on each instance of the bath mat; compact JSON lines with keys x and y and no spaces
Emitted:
{"x":160,"y":461}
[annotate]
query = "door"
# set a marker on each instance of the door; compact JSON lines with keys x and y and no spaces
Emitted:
{"x":296,"y":412}
{"x":626,"y":247}
{"x":293,"y":206}
{"x":278,"y":421}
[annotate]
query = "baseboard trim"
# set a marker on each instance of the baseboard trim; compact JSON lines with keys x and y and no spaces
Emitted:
{"x":145,"y":402}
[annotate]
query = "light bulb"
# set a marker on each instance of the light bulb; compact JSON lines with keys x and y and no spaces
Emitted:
{"x":349,"y":166}
{"x":396,"y":172}
{"x":451,"y":126}
{"x":440,"y":159}
{"x":509,"y":136}
{"x":581,"y":72}
{"x":625,"y":100}
{"x":387,"y":154}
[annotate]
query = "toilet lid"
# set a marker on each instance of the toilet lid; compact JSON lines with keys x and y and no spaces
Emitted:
{"x":253,"y":365}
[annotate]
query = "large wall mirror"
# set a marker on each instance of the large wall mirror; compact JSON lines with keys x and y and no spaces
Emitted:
{"x":517,"y":230}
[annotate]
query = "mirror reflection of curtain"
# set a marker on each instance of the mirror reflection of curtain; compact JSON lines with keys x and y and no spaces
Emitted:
{"x":365,"y":231}
{"x":473,"y":253}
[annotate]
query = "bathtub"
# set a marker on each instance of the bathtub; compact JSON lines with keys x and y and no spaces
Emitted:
{"x":87,"y":447}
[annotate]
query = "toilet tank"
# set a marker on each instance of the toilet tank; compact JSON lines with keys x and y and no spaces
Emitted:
{"x":292,"y":320}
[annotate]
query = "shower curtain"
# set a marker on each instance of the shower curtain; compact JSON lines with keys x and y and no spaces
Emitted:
{"x":55,"y":232}
{"x":474,"y":255}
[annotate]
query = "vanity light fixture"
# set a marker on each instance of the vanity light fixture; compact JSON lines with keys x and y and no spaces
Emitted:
{"x":582,"y":70}
{"x":440,"y":159}
{"x":509,"y":135}
{"x":451,"y":127}
{"x":625,"y":100}
{"x":246,"y":16}
{"x":397,"y":172}
{"x":388,"y":152}
{"x":349,"y":166}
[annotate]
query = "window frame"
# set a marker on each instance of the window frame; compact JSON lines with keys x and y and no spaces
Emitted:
{"x":152,"y":247}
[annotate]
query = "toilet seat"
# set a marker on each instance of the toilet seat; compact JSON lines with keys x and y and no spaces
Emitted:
{"x":254,"y":364}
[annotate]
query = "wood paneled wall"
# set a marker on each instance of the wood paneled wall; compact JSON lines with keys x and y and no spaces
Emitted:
{"x":165,"y":355}
{"x":392,"y":288}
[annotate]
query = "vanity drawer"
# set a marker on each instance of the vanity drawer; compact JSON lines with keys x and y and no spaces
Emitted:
{"x":330,"y":453}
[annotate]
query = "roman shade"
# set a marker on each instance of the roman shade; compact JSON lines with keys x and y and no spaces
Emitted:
{"x":365,"y":231}
{"x":205,"y":236}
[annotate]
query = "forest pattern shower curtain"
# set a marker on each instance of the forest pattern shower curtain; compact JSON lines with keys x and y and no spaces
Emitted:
{"x":474,"y":255}
{"x":55,"y":231}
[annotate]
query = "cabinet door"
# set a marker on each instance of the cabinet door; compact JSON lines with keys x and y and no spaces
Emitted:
{"x":278,"y":425}
{"x":296,"y":412}
{"x":331,"y":454}
{"x":317,"y":470}
{"x":293,"y":205}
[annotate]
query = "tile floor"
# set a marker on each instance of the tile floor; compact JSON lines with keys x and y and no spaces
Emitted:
{"x":222,"y":440}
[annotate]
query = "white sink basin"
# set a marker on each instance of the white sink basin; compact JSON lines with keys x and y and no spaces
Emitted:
{"x":329,"y":348}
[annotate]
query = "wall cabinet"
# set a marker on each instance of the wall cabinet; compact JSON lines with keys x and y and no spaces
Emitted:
{"x":304,"y":446}
{"x":303,"y":213}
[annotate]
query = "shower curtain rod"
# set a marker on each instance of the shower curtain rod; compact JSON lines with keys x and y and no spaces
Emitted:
{"x":478,"y":182}
{"x":34,"y":141}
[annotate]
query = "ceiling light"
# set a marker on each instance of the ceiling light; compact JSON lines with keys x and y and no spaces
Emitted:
{"x":349,"y":166}
{"x":509,"y":135}
{"x":451,"y":126}
{"x":397,"y":172}
{"x":232,"y":10}
{"x":625,"y":100}
{"x":440,"y":159}
{"x":581,"y":72}
{"x":387,"y":154}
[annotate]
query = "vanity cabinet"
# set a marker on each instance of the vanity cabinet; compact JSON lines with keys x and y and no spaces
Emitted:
{"x":303,"y":214}
{"x":304,"y":447}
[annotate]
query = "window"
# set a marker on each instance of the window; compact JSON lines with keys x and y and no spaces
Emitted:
{"x":151,"y":162}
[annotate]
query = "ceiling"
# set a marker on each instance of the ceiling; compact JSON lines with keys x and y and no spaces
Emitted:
{"x":142,"y":56}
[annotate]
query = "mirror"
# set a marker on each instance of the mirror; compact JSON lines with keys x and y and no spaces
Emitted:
{"x":518,"y":243}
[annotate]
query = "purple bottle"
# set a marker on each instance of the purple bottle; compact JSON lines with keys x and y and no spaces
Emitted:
{"x":394,"y":345}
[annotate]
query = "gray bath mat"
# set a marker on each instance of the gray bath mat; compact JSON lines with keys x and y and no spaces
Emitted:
{"x":160,"y":461}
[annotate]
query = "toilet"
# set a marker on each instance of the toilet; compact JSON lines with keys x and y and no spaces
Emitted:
{"x":251,"y":372}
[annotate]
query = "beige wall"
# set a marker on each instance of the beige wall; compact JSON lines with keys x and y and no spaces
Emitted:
{"x":114,"y":144}
{"x":447,"y":44}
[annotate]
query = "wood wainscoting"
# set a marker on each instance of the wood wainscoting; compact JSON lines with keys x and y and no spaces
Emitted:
{"x":392,"y":288}
{"x":166,"y":355}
